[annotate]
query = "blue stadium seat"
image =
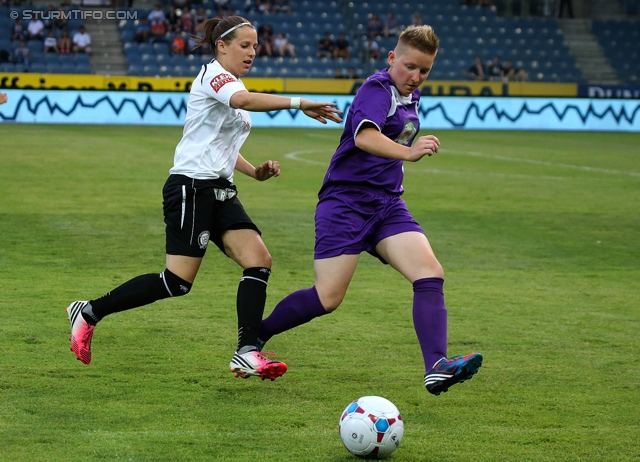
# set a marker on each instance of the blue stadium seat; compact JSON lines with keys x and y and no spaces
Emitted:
{"x":161,"y":48}
{"x":150,"y":69}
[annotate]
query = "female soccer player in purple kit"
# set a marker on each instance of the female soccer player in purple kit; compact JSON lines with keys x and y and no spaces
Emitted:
{"x":360,"y":210}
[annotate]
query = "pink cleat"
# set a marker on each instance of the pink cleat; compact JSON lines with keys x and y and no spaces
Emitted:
{"x":254,"y":363}
{"x":81,"y":332}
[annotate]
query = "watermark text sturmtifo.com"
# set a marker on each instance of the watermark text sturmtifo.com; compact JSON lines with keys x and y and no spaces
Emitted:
{"x":28,"y":15}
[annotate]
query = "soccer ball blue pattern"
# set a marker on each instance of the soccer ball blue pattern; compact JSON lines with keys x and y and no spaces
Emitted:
{"x":371,"y":427}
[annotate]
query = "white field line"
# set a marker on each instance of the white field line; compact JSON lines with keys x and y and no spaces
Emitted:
{"x":299,"y":156}
{"x":542,"y":162}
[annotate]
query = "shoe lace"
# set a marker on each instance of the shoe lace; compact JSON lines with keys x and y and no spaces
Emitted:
{"x":87,"y":335}
{"x":265,"y":354}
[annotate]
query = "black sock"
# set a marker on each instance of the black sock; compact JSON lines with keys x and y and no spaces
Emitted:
{"x":139,"y":291}
{"x":252,"y":295}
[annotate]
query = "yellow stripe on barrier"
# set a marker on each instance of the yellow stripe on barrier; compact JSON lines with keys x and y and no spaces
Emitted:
{"x":277,"y":85}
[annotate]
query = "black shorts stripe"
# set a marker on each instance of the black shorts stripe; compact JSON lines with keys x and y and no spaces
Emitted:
{"x":187,"y":200}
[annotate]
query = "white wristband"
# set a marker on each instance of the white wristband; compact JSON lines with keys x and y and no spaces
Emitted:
{"x":295,"y":102}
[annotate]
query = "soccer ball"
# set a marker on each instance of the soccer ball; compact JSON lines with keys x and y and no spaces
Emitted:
{"x":371,"y":427}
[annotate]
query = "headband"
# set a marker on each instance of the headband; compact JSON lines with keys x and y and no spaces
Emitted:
{"x":231,"y":30}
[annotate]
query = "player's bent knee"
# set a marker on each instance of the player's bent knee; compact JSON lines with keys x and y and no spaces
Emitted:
{"x":330,"y":302}
{"x":175,"y":285}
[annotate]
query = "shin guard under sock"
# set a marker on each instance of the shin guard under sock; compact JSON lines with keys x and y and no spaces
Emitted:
{"x":136,"y":292}
{"x":252,"y":295}
{"x":430,"y":319}
{"x":294,"y":310}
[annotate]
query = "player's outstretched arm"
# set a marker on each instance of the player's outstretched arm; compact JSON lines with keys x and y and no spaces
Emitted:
{"x":321,"y":111}
{"x":3,"y":98}
{"x":263,"y":102}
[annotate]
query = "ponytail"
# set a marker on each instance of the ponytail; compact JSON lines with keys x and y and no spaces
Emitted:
{"x":216,"y":29}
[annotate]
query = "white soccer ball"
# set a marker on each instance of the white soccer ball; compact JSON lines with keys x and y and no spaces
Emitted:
{"x":371,"y":427}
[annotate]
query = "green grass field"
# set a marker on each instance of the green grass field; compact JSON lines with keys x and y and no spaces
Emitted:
{"x":539,"y":235}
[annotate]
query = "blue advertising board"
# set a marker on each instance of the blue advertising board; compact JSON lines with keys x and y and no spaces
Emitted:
{"x":479,"y":113}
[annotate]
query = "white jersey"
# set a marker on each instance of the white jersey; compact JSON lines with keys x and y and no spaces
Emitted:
{"x":213,"y":131}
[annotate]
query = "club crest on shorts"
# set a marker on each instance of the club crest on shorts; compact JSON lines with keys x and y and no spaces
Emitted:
{"x":203,"y":239}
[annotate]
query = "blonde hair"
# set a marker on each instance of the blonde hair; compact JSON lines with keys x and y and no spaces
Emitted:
{"x":422,"y":38}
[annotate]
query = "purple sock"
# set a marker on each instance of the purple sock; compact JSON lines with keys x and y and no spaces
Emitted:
{"x":292,"y":311}
{"x":430,"y":319}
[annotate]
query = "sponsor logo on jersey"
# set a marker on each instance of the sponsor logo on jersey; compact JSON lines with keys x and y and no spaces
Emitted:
{"x":220,"y":81}
{"x":408,"y":133}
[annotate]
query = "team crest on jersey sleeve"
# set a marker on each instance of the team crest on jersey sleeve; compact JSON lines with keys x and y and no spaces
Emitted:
{"x":220,"y":81}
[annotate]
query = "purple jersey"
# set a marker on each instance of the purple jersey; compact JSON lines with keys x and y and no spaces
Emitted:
{"x":377,"y":102}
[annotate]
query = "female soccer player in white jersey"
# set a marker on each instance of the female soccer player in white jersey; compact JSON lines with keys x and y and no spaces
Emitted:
{"x":200,"y":199}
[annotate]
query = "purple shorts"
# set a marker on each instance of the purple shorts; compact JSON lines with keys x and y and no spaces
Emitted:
{"x":353,"y":220}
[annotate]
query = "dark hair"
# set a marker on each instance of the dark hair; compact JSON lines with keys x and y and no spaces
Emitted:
{"x":213,"y":28}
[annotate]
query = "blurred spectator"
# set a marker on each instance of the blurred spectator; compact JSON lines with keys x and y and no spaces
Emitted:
{"x":374,"y":26}
{"x":47,"y":18}
{"x":283,"y":47}
{"x":35,"y":29}
{"x":266,"y":40}
{"x":495,"y":70}
{"x":142,"y":30}
{"x":64,"y":42}
{"x":325,"y":46}
{"x":201,"y":16}
{"x":18,"y":32}
{"x":181,"y":4}
{"x":352,"y":73}
{"x":339,"y":74}
{"x":178,"y":44}
{"x":513,"y":73}
{"x":476,"y":71}
{"x":187,"y":20}
{"x":5,"y":56}
{"x":371,"y":47}
{"x":390,"y":26}
{"x":21,"y":54}
{"x":220,"y":14}
{"x":82,"y":41}
{"x":51,"y":43}
{"x":60,"y":22}
{"x":281,"y":6}
{"x":263,"y":6}
{"x":222,"y":4}
{"x":158,"y":31}
{"x":156,"y":13}
{"x":416,"y":19}
{"x":342,"y":47}
{"x":190,"y":45}
{"x":172,"y":19}
{"x":565,"y":5}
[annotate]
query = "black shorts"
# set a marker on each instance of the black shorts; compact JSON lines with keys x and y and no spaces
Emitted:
{"x":197,"y":211}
